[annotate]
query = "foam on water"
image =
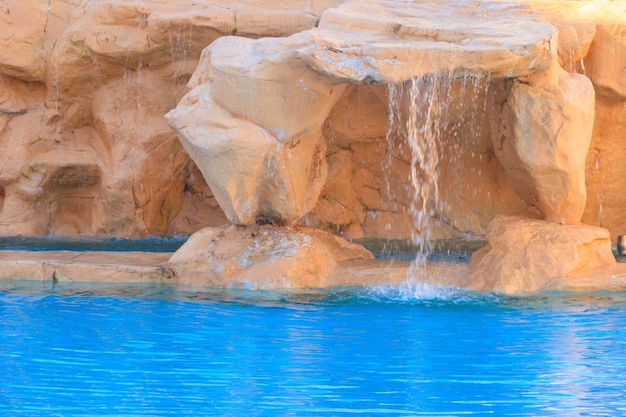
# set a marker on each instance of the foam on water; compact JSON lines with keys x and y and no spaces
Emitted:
{"x":413,"y":290}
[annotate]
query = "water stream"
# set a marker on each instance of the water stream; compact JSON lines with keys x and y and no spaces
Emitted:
{"x":418,"y":114}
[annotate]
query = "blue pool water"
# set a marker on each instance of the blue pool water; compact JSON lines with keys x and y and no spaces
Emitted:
{"x":138,"y":350}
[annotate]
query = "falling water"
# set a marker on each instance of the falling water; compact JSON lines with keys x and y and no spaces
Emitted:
{"x":414,"y":112}
{"x":426,"y":113}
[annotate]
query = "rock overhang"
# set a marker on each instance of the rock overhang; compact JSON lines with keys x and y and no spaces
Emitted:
{"x":287,"y":86}
{"x":383,"y":42}
{"x":386,"y":42}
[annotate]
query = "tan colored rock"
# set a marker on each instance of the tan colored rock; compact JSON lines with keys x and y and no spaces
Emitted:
{"x":527,"y":255}
{"x":405,"y":40}
{"x":99,"y":63}
{"x":246,"y":78}
{"x":106,"y":72}
{"x":22,"y":54}
{"x":574,"y":42}
{"x":605,"y":167}
{"x":542,"y":140}
{"x":254,"y":177}
{"x":375,"y":180}
{"x":233,"y":151}
{"x":66,"y":266}
{"x":607,"y":57}
{"x":261,"y":257}
{"x":255,"y":23}
{"x":142,"y":267}
{"x":256,"y":91}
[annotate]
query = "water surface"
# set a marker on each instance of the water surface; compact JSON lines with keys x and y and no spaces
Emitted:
{"x":146,"y":350}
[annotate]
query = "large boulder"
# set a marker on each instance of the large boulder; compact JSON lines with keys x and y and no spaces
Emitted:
{"x":261,"y":257}
{"x":541,"y":136}
{"x":255,"y":177}
{"x":525,"y":254}
{"x":97,"y":78}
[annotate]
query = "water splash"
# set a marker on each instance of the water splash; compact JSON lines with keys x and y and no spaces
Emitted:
{"x":412,"y":290}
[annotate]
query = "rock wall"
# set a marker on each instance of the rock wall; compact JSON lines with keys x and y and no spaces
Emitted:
{"x":86,"y":150}
{"x":83,"y":90}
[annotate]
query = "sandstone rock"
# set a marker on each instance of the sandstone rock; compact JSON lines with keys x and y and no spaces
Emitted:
{"x":253,"y":88}
{"x":574,"y":42}
{"x":338,"y":204}
{"x":255,"y":23}
{"x":527,"y":255}
{"x":21,"y":45}
{"x":261,"y":257}
{"x":405,"y":40}
{"x":230,"y":152}
{"x":605,"y":61}
{"x":254,"y":177}
{"x":101,"y":75}
{"x":542,"y":140}
{"x":375,"y":178}
{"x":605,"y":169}
{"x":607,"y":57}
{"x":246,"y":79}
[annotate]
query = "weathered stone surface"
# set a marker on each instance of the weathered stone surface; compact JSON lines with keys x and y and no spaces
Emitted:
{"x":542,"y":141}
{"x":609,"y":46}
{"x":605,"y":167}
{"x":246,"y":79}
{"x":97,"y":77}
{"x":405,"y":40}
{"x":606,"y":57}
{"x":530,"y":255}
{"x":25,"y":30}
{"x":254,"y":176}
{"x":142,"y":267}
{"x":100,"y":76}
{"x":261,"y":257}
{"x":65,"y":266}
{"x":575,"y":39}
{"x":368,"y":191}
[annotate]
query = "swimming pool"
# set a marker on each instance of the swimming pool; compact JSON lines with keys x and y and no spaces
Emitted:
{"x":146,"y":350}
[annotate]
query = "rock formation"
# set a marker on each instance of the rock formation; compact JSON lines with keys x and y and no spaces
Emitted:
{"x":298,"y":114}
{"x":245,"y":79}
{"x":542,"y":139}
{"x":92,"y":80}
{"x":525,"y":255}
{"x":262,"y":257}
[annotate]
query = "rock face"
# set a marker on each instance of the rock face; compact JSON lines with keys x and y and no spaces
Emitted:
{"x":241,"y":117}
{"x":316,"y":92}
{"x":261,"y":257}
{"x":282,"y":169}
{"x":91,"y":81}
{"x":283,"y":121}
{"x":78,"y":78}
{"x":531,"y":255}
{"x":542,"y":140}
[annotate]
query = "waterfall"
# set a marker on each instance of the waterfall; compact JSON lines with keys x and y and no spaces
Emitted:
{"x":415,"y":115}
{"x":427,"y":124}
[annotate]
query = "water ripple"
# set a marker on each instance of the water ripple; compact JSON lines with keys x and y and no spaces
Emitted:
{"x":162,"y":351}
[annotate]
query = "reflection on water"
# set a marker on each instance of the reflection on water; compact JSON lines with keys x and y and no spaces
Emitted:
{"x":85,"y":349}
